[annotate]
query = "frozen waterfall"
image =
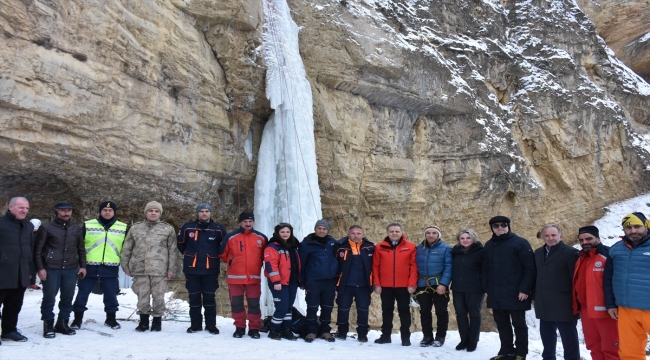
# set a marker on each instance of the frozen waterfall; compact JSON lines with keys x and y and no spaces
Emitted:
{"x":286,"y":185}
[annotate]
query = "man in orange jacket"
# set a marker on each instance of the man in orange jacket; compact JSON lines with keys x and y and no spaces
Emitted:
{"x":243,"y":252}
{"x":395,"y":277}
{"x":601,"y":331}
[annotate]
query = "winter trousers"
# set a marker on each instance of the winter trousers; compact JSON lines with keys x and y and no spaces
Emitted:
{"x":633,"y":330}
{"x":252,"y":292}
{"x":504,"y":327}
{"x":283,"y":301}
{"x":86,"y":285}
{"x":201,"y":292}
{"x":361,"y":296}
{"x":601,"y":337}
{"x":319,"y":293}
{"x":428,"y":300}
{"x":388,"y":297}
{"x":148,"y":288}
{"x":57,"y":279}
{"x":568,"y":333}
{"x":468,"y":304}
{"x":12,"y":302}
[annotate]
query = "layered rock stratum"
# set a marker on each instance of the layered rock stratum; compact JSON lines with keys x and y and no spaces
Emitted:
{"x":426,"y":112}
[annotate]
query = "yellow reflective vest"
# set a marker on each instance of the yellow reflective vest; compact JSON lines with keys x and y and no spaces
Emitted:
{"x":103,"y":247}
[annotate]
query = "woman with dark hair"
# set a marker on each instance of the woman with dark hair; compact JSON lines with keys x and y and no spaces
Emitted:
{"x":282,"y":268}
{"x":466,"y":287}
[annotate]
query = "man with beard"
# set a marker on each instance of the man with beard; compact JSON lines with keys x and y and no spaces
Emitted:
{"x":627,"y":285}
{"x":60,"y":257}
{"x":508,"y":277}
{"x":103,"y":240}
{"x":600,"y":330}
{"x":199,"y":242}
{"x":16,"y":265}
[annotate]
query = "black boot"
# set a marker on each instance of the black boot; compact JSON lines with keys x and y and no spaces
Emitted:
{"x":111,"y":322}
{"x":239,"y":332}
{"x":195,"y":328}
{"x":78,"y":320}
{"x":144,"y":323}
{"x":288,"y":334}
{"x":156,"y":324}
{"x":48,"y":329}
{"x":62,"y":327}
{"x":383,"y":339}
{"x":274,"y":334}
{"x":212,"y":329}
{"x":255,"y":334}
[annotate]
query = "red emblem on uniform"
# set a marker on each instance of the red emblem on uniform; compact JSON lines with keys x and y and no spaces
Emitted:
{"x":191,"y":234}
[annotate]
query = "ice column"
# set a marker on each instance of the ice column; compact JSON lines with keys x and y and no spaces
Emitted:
{"x":286,"y":185}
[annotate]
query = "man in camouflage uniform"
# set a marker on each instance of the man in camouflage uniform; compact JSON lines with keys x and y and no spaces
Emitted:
{"x":149,"y":255}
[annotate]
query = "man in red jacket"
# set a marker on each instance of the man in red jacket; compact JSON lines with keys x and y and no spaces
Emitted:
{"x":395,"y":277}
{"x":243,"y":251}
{"x":601,"y":331}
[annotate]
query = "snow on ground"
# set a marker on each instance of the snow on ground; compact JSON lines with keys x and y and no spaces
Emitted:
{"x":96,"y":341}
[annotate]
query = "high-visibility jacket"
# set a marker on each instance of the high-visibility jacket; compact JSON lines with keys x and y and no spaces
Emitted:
{"x":103,"y":247}
{"x":243,"y":251}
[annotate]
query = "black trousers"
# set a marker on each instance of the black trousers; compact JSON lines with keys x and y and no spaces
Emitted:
{"x":12,"y":302}
{"x":361,"y":295}
{"x":388,"y":298}
{"x":504,"y":326}
{"x":468,"y":316}
{"x":201,"y":292}
{"x":427,"y":301}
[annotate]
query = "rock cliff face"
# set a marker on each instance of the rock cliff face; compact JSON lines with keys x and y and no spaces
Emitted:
{"x":426,"y":112}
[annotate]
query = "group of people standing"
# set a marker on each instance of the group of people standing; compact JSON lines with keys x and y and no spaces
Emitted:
{"x":608,"y":288}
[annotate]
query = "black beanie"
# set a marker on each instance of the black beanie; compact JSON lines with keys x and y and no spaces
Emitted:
{"x":108,"y":204}
{"x":589,"y":230}
{"x":246,"y":216}
{"x":499,"y":219}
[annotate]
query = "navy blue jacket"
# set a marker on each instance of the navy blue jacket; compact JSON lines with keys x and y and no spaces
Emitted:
{"x":466,"y":269}
{"x":318,"y":261}
{"x":199,"y":243}
{"x":344,"y":257}
{"x":435,"y":261}
{"x":626,"y":282}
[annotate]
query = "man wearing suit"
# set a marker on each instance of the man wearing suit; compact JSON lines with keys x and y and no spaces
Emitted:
{"x":555,"y":263}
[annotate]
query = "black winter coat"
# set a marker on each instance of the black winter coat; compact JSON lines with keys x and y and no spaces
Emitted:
{"x":344,"y":255}
{"x":199,"y":243}
{"x":466,"y":269}
{"x":59,"y":245}
{"x":16,"y":251}
{"x":508,"y":269}
{"x":553,"y":301}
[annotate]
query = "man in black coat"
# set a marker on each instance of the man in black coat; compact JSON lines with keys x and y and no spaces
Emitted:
{"x":508,"y":277}
{"x":555,"y":264}
{"x":16,"y":265}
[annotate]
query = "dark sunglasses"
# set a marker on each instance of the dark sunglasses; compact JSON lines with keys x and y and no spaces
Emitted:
{"x":496,"y":226}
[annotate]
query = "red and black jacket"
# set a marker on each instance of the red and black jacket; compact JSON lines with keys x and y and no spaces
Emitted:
{"x":243,"y":251}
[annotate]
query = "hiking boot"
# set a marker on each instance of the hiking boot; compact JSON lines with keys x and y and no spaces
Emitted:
{"x":212,"y":329}
{"x":426,"y":341}
{"x":406,"y":342}
{"x":15,"y":336}
{"x":48,"y":329}
{"x":239,"y":333}
{"x":461,"y":346}
{"x":144,"y":323}
{"x":439,"y":341}
{"x":341,"y":336}
{"x":78,"y":320}
{"x":310,"y":337}
{"x":384,"y":339}
{"x":327,"y":336}
{"x":274,"y":334}
{"x":287,"y":334}
{"x":110,"y":321}
{"x":254,"y":333}
{"x":156,"y":323}
{"x":471,"y":347}
{"x":363,"y":338}
{"x":194,"y":328}
{"x":62,"y":327}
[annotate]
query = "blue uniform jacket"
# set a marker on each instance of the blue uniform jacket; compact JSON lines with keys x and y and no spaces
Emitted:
{"x":199,"y":243}
{"x":318,"y":261}
{"x":435,"y":260}
{"x":626,"y":281}
{"x":344,"y":258}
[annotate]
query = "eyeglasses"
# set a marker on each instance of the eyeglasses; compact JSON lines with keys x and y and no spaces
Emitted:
{"x":496,"y":226}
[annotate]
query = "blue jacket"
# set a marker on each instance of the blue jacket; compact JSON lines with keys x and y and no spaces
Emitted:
{"x":318,"y":261}
{"x":435,"y":261}
{"x":626,"y":281}
{"x":344,"y":257}
{"x":199,"y":243}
